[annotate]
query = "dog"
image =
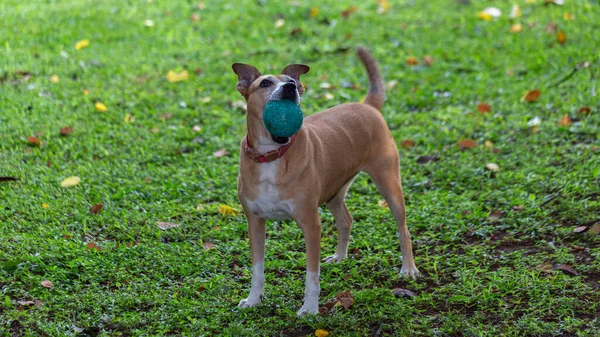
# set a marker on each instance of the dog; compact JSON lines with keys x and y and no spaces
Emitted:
{"x":289,"y":177}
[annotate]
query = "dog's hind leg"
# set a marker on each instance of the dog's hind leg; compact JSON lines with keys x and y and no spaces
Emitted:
{"x":343,"y":223}
{"x":385,"y":172}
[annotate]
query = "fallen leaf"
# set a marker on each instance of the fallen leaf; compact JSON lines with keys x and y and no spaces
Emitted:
{"x":220,"y":153}
{"x":565,"y":121}
{"x":47,"y":284}
{"x":488,"y":144}
{"x":314,"y":11}
{"x":32,"y":140}
{"x":347,"y":302}
{"x":129,"y":118}
{"x":166,"y":116}
{"x":67,"y":130}
{"x":279,"y":23}
{"x":584,"y":111}
{"x":54,"y":79}
{"x":580,"y":229}
{"x":166,"y":225}
{"x":228,"y":210}
{"x":412,"y":61}
{"x":154,"y":130}
{"x":534,"y":122}
{"x":200,"y":207}
{"x":495,"y":216}
{"x":427,"y":60}
{"x":82,"y":44}
{"x":70,"y":182}
{"x":515,"y":12}
{"x":321,"y":333}
{"x":148,"y":23}
{"x":195,"y":17}
{"x":205,"y":99}
{"x":532,"y":96}
{"x":328,"y":96}
{"x":173,"y":76}
{"x":346,"y":13}
{"x":383,"y":6}
{"x":484,"y":108}
{"x":427,"y":159}
{"x":37,"y":303}
{"x":561,"y":37}
{"x":566,"y":269}
{"x":407,"y":144}
{"x":382,"y":204}
{"x":399,"y":292}
{"x":96,"y":208}
{"x":45,"y":206}
{"x":67,"y":236}
{"x":196,"y":128}
{"x":516,"y":28}
{"x":596,"y":229}
{"x":208,"y":245}
{"x":390,"y":84}
{"x":100,"y":107}
{"x":93,"y":246}
{"x":551,"y":27}
{"x":467,"y":144}
{"x":492,"y":167}
{"x":519,"y":207}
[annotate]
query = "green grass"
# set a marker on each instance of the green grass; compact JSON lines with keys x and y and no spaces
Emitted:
{"x":479,"y":275}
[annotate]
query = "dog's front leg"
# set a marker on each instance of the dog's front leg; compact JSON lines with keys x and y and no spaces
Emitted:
{"x":310,"y":223}
{"x":256,"y":234}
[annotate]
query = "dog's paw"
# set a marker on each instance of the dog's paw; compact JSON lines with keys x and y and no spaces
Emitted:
{"x":249,"y":302}
{"x":335,"y":258}
{"x":411,"y":272}
{"x":308,"y":310}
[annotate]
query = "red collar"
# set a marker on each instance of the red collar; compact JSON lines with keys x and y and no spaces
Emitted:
{"x":269,"y":156}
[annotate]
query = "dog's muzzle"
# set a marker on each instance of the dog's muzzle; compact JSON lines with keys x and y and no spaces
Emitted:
{"x":289,"y":91}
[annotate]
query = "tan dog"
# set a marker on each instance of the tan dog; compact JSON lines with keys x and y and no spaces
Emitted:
{"x":284,"y":178}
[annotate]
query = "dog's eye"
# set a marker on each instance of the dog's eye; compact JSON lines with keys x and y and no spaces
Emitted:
{"x":265,"y":83}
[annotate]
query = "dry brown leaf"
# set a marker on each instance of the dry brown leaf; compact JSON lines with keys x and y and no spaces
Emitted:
{"x":427,"y":159}
{"x":467,"y":144}
{"x":95,"y":209}
{"x":407,"y":144}
{"x":91,"y":245}
{"x":565,"y":121}
{"x":584,"y":111}
{"x":47,"y":284}
{"x":532,"y":96}
{"x":495,"y":216}
{"x":412,"y":61}
{"x":383,"y":204}
{"x":561,"y":37}
{"x":566,"y":269}
{"x":166,"y":116}
{"x":399,"y":292}
{"x":488,"y":144}
{"x":428,"y":60}
{"x":492,"y":167}
{"x":67,"y":130}
{"x":32,"y":140}
{"x":220,"y":153}
{"x":580,"y":229}
{"x":484,"y":108}
{"x":166,"y":225}
{"x":208,"y":245}
{"x":596,"y":229}
{"x":347,"y":302}
{"x":545,"y":267}
{"x":195,"y":17}
{"x":346,"y":13}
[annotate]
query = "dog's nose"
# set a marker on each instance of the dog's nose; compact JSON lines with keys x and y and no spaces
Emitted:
{"x":289,"y":91}
{"x":289,"y":86}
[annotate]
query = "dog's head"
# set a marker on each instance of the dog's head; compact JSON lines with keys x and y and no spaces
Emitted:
{"x":259,"y":89}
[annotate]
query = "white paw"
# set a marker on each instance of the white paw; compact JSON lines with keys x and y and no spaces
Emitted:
{"x":335,"y":258}
{"x":308,"y":310}
{"x":411,"y":272}
{"x":249,"y":302}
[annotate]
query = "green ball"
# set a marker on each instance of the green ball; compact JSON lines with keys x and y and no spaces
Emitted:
{"x":282,"y":118}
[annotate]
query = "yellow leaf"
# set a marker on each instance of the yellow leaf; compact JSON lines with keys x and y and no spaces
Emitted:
{"x":565,"y":121}
{"x":412,"y":61}
{"x":568,"y":16}
{"x":383,"y":6}
{"x":321,"y":333}
{"x":561,"y":37}
{"x":177,"y":77}
{"x":70,"y":182}
{"x":129,"y":118}
{"x":517,"y":27}
{"x":484,"y":16}
{"x":515,"y":12}
{"x":489,"y":144}
{"x":101,"y":107}
{"x":314,"y":12}
{"x":228,"y":210}
{"x":86,"y":92}
{"x":44,"y":206}
{"x":489,"y":13}
{"x":54,"y":79}
{"x":82,"y":44}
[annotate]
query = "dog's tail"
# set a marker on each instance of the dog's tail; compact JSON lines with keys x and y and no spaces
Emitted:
{"x":376,"y":95}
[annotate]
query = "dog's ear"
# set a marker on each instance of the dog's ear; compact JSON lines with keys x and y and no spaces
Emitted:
{"x":246,"y":75}
{"x":295,"y":70}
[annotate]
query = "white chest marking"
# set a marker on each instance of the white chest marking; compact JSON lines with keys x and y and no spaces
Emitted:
{"x":268,"y":204}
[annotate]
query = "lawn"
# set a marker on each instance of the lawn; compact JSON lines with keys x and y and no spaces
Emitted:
{"x":506,"y":250}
